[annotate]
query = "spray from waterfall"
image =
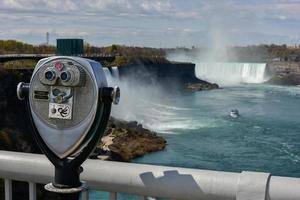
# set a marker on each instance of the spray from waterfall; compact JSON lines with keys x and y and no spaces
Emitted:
{"x":149,"y":104}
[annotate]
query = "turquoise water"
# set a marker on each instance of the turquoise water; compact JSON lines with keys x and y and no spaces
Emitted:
{"x":266,"y":137}
{"x":200,"y":133}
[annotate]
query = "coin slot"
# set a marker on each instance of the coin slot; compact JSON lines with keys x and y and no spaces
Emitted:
{"x":42,"y":95}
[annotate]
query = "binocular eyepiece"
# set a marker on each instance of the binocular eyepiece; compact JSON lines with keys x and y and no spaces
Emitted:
{"x":63,"y":73}
{"x":50,"y":75}
{"x":64,"y":76}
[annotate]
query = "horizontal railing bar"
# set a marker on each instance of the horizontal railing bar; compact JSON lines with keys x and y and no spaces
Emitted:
{"x":156,"y":181}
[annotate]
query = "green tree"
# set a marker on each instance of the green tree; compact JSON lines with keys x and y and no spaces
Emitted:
{"x":113,"y":49}
{"x":120,"y":60}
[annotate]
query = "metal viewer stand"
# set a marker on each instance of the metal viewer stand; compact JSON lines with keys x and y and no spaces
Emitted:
{"x":69,"y":105}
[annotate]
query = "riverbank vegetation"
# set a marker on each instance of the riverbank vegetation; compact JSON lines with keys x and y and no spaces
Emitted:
{"x":129,"y":54}
{"x":18,"y":47}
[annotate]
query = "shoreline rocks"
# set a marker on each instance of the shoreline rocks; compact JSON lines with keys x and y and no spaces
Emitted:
{"x":284,"y":73}
{"x":201,"y":86}
{"x":124,"y":141}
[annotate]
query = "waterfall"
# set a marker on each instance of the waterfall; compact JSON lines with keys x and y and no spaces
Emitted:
{"x":231,"y":73}
{"x":112,"y":76}
{"x":115,"y":72}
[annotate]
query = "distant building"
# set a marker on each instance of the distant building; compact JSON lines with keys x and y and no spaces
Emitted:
{"x":69,"y":47}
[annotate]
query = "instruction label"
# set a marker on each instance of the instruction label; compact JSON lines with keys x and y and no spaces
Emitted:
{"x":60,"y":111}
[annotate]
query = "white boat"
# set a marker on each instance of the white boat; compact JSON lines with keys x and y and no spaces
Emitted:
{"x":234,"y":113}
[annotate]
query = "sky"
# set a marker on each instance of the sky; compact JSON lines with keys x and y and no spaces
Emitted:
{"x":153,"y":23}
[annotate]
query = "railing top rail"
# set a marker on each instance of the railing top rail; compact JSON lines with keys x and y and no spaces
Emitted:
{"x":25,"y":55}
{"x":156,"y":181}
{"x":48,"y":55}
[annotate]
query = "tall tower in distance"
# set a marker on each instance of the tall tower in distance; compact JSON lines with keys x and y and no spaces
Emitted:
{"x":47,"y":38}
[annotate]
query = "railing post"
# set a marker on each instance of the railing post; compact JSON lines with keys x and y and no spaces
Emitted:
{"x":32,"y":191}
{"x":113,"y":196}
{"x":85,"y":195}
{"x":8,"y":189}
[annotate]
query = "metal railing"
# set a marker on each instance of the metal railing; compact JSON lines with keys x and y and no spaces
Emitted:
{"x":25,"y":55}
{"x":151,"y":181}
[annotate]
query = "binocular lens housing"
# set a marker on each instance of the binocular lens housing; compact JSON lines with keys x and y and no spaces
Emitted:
{"x":69,"y":104}
{"x":65,"y":76}
{"x":50,"y":75}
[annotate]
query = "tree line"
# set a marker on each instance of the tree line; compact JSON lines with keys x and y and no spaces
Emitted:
{"x":17,"y":47}
{"x":129,"y":54}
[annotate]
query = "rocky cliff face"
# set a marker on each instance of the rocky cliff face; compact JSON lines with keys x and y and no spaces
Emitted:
{"x":15,"y":134}
{"x":194,"y":87}
{"x":183,"y":72}
{"x":284,"y":73}
{"x":124,"y":141}
{"x":172,"y":75}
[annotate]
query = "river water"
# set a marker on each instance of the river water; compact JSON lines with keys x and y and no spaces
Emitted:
{"x":201,"y":134}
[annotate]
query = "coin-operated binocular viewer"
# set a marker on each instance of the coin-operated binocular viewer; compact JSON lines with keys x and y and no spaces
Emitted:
{"x":69,"y":105}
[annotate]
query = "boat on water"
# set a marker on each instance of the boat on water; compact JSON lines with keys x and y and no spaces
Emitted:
{"x":234,"y":113}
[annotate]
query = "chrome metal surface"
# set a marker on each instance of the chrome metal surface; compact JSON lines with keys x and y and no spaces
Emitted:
{"x":20,"y":90}
{"x":77,"y":105}
{"x":49,"y":187}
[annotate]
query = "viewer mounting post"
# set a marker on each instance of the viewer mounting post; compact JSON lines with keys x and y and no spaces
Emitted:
{"x":69,"y":105}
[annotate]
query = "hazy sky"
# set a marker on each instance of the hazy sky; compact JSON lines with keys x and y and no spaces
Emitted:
{"x":157,"y":23}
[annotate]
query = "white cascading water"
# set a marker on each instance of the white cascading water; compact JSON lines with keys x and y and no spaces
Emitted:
{"x":115,"y":73}
{"x":109,"y":77}
{"x":147,"y":104}
{"x":231,"y":73}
